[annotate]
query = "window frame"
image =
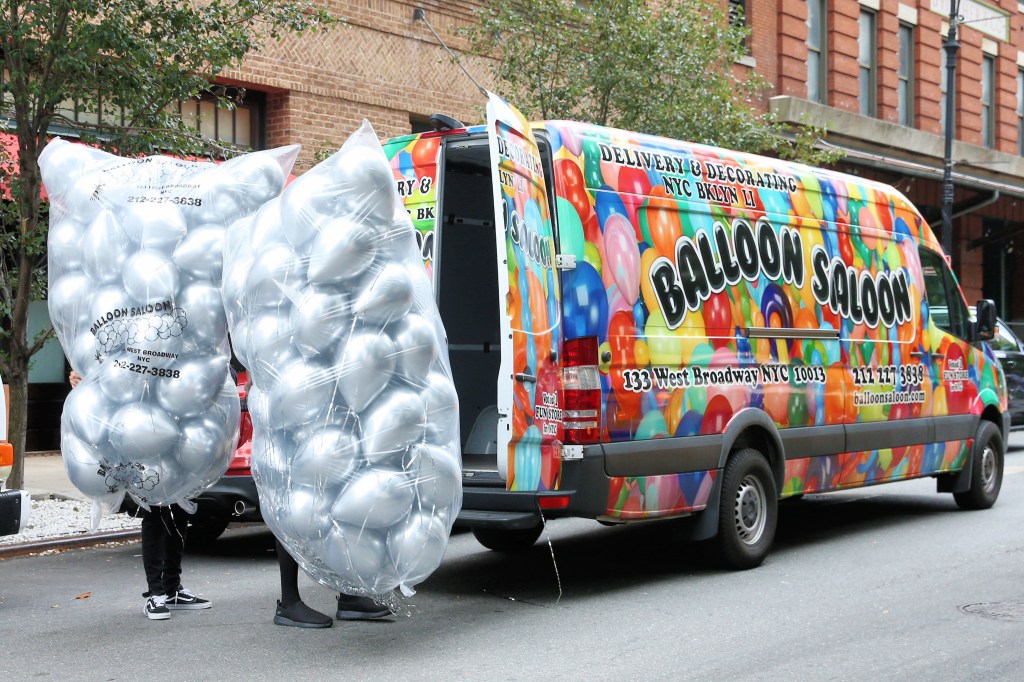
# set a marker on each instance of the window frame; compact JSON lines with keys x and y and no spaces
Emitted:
{"x":905,"y":74}
{"x":867,"y":63}
{"x":988,"y":101}
{"x":819,"y":49}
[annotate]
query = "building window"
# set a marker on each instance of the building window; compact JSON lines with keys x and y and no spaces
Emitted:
{"x":988,"y":108}
{"x":241,"y":126}
{"x":867,"y":59}
{"x":738,"y":12}
{"x":1020,"y":112}
{"x":905,"y":93}
{"x":817,"y":72}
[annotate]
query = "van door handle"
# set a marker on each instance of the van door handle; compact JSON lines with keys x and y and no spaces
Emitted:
{"x":919,"y":354}
{"x":523,"y":377}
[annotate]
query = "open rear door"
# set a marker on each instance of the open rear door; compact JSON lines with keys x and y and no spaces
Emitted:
{"x":529,"y":379}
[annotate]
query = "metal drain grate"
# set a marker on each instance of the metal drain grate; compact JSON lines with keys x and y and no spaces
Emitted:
{"x":1010,"y":611}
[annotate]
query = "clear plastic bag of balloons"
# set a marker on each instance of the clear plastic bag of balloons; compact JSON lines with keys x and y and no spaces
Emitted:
{"x":135,"y":265}
{"x":355,"y":416}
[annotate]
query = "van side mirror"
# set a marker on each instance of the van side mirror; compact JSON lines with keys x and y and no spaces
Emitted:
{"x":985,"y":325}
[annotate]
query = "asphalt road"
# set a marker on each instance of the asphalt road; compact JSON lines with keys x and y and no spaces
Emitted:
{"x":885,"y":583}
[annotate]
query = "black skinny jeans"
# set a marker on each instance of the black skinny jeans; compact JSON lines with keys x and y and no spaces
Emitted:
{"x":163,"y":544}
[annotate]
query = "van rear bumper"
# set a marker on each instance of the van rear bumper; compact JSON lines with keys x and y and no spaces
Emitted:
{"x":486,"y":503}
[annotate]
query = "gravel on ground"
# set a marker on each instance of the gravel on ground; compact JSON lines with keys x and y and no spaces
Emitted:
{"x":57,"y":518}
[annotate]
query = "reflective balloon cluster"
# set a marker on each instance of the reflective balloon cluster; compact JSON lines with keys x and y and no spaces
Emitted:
{"x":135,"y":261}
{"x":355,"y":416}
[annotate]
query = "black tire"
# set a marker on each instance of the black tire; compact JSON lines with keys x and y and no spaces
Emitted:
{"x":986,"y":469}
{"x":747,"y":511}
{"x":508,"y":539}
{"x":203,"y":530}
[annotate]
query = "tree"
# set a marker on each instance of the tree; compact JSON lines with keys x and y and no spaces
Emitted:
{"x":121,"y":58}
{"x":665,"y":68}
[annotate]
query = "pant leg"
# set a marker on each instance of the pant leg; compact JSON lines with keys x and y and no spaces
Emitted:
{"x":175,"y":523}
{"x":153,"y":550}
{"x":289,"y":569}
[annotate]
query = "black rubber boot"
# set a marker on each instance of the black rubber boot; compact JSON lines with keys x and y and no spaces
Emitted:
{"x":299,"y":615}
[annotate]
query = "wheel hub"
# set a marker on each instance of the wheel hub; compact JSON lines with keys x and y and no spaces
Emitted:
{"x":750,"y":510}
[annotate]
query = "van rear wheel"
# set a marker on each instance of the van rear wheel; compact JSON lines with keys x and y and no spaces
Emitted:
{"x":986,"y":469}
{"x":747,"y":512}
{"x":508,"y":539}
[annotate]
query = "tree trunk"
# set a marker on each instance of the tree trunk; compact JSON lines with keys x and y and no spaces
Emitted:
{"x":18,"y":383}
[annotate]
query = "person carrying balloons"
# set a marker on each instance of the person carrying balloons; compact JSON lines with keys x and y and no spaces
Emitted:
{"x":163,"y":545}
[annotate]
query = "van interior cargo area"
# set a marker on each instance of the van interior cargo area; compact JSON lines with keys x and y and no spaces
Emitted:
{"x":468,"y":296}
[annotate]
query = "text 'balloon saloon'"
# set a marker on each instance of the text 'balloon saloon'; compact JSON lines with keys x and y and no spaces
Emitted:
{"x":355,"y":416}
{"x":135,"y":264}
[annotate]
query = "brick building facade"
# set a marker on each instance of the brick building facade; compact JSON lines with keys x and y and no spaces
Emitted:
{"x":386,"y":66}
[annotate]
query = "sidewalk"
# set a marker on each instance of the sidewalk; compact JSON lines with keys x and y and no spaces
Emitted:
{"x":45,"y":477}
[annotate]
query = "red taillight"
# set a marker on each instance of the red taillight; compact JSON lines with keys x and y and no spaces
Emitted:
{"x":581,"y":385}
{"x":241,"y":462}
{"x":553,"y":501}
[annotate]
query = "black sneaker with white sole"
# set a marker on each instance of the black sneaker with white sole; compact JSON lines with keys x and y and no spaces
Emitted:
{"x":184,"y":599}
{"x":156,"y":608}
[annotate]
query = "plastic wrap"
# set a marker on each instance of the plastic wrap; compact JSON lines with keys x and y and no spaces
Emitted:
{"x":135,"y":265}
{"x":355,"y":416}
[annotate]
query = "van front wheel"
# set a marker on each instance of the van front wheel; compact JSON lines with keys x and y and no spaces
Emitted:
{"x":986,"y":469}
{"x":748,"y":510}
{"x":508,"y":539}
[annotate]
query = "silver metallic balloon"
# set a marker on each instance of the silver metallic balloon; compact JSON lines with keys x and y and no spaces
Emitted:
{"x":416,"y":545}
{"x":157,"y":228}
{"x":198,"y":381}
{"x":202,"y":305}
{"x":142,"y":430}
{"x":342,"y":249}
{"x":388,"y":297}
{"x":364,"y":175}
{"x":67,"y":302}
{"x":201,"y":253}
{"x":205,"y":443}
{"x":305,"y":205}
{"x":276,"y":268}
{"x":326,"y":458}
{"x":82,"y":199}
{"x":320,"y":319}
{"x":213,"y":200}
{"x":64,"y":247}
{"x":150,"y":277}
{"x":415,"y":347}
{"x":86,"y":414}
{"x":254,"y":179}
{"x":258,"y":402}
{"x":394,"y":421}
{"x":376,"y":498}
{"x":103,"y":249}
{"x":266,"y":226}
{"x":85,"y":467}
{"x":63,"y":162}
{"x":270,"y":343}
{"x":307,"y":513}
{"x":120,"y":384}
{"x":438,"y":477}
{"x":366,"y":364}
{"x":442,"y":406}
{"x":301,"y":390}
{"x":359,"y":556}
{"x":86,"y":354}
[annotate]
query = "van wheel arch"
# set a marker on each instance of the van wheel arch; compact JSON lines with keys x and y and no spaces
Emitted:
{"x":753,"y":428}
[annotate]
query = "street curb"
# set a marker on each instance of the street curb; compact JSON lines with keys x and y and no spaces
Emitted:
{"x":71,"y":542}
